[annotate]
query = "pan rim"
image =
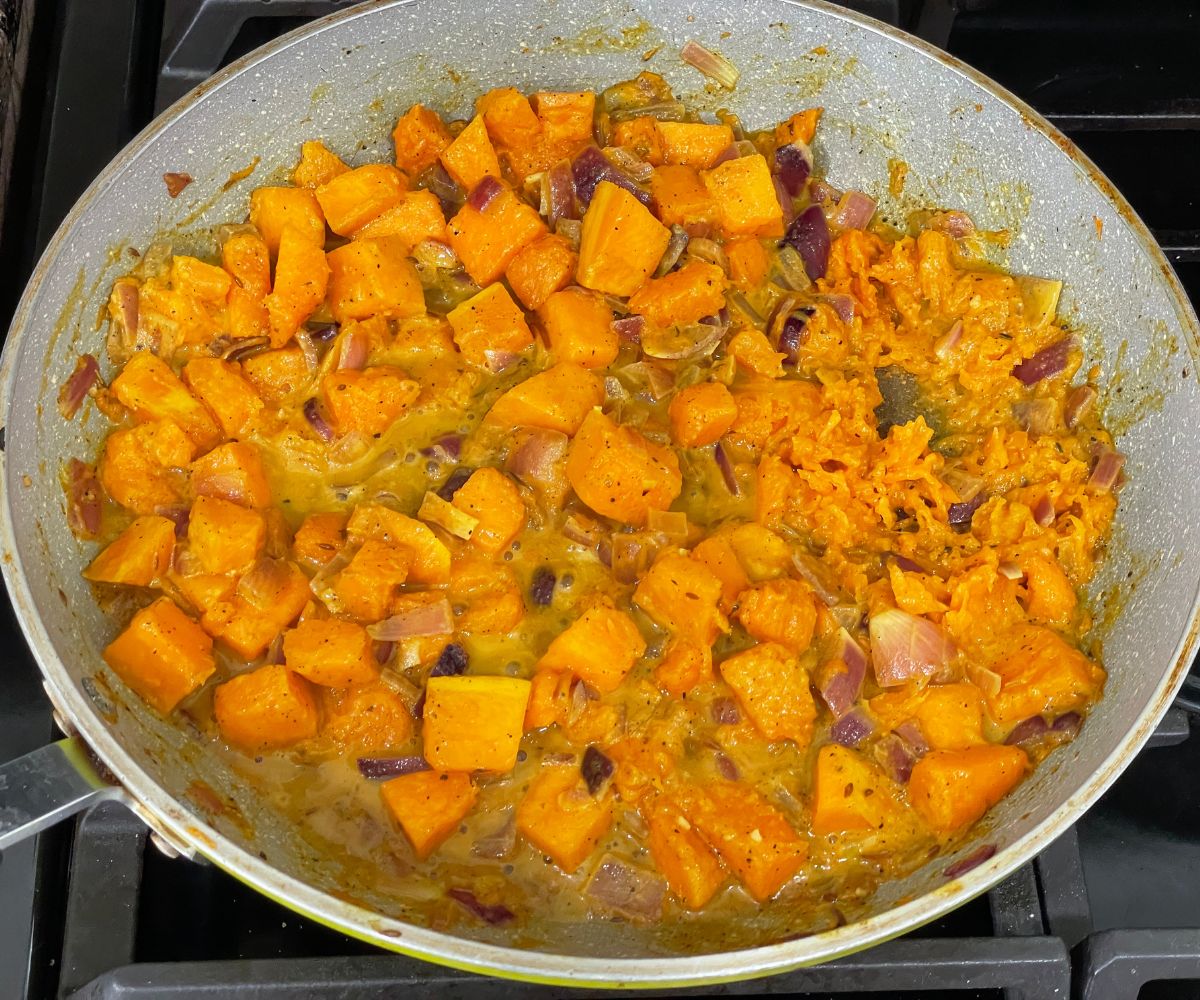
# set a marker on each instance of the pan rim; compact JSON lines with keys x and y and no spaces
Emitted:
{"x":511,"y":962}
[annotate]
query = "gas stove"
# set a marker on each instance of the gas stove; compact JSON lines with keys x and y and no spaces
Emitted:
{"x":1110,"y":910}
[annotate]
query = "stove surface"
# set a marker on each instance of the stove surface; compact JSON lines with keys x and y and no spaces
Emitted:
{"x":1110,"y":911}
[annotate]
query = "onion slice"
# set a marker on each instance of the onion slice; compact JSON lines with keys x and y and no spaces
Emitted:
{"x":636,"y":893}
{"x":852,"y":728}
{"x":1106,"y":473}
{"x":854,"y":211}
{"x":489,"y":913}
{"x":1079,"y":402}
{"x":808,"y":235}
{"x":905,"y":647}
{"x":711,"y":64}
{"x":316,"y":419}
{"x":728,"y":476}
{"x":434,"y":618}
{"x":484,"y":193}
{"x":391,"y":767}
{"x":793,"y":166}
{"x":972,"y":860}
{"x":842,"y":683}
{"x":74,"y":391}
{"x":1046,"y":363}
{"x":83,"y":499}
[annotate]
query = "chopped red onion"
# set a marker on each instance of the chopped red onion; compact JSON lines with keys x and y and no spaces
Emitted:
{"x":808,"y":235}
{"x":910,"y":732}
{"x":1068,"y":724}
{"x":711,"y":64}
{"x":1107,"y":471}
{"x":181,"y":516}
{"x":896,"y":757}
{"x":630,"y":162}
{"x":810,"y":572}
{"x":854,"y":211}
{"x":730,"y":152}
{"x":683,"y":343}
{"x":446,"y":448}
{"x":83,"y":499}
{"x":484,"y":193}
{"x":489,"y":913}
{"x":1079,"y":402}
{"x":499,"y":843}
{"x":843,"y":305}
{"x":1043,"y":512}
{"x":972,"y":860}
{"x":454,"y":482}
{"x":629,"y":328}
{"x":636,"y":893}
{"x":726,"y":467}
{"x":792,"y":335}
{"x":352,"y":355}
{"x":308,"y":347}
{"x":675,"y":247}
{"x":852,"y":728}
{"x":245,"y":348}
{"x":726,"y":768}
{"x":725,"y":712}
{"x":1010,"y":571}
{"x":591,"y":167}
{"x":434,"y":618}
{"x":988,"y":681}
{"x":905,"y":647}
{"x":906,"y":564}
{"x":1031,"y":729}
{"x":840,"y":689}
{"x":823,"y":193}
{"x":596,"y":768}
{"x":708,"y":251}
{"x":383,"y":651}
{"x":954,"y":224}
{"x":324,"y":333}
{"x":1037,"y":416}
{"x":312,"y":413}
{"x":126,"y":295}
{"x":74,"y":391}
{"x":1046,"y":363}
{"x":391,"y":767}
{"x":558,"y":193}
{"x":498,"y":361}
{"x":793,"y":165}
{"x":451,"y":662}
{"x":786,"y":206}
{"x":582,"y":529}
{"x":960,"y":514}
{"x":537,"y":458}
{"x":541,"y":588}
{"x":944,"y":346}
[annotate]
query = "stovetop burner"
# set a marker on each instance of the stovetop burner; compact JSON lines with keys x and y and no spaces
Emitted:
{"x":90,"y":912}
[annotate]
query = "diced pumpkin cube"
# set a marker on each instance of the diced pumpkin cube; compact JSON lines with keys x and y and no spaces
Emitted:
{"x":686,"y":295}
{"x":276,"y":375}
{"x":153,"y":392}
{"x":717,"y":554}
{"x":220,"y":386}
{"x":369,"y":719}
{"x":748,"y":262}
{"x":801,"y":127}
{"x":352,"y":199}
{"x":373,"y":277}
{"x":204,"y":591}
{"x":301,"y":279}
{"x":235,"y":472}
{"x":163,"y":655}
{"x":752,"y":351}
{"x":681,"y":595}
{"x":431,"y":558}
{"x":367,"y":586}
{"x":415,"y":218}
{"x":368,"y":401}
{"x":224,"y":537}
{"x":489,"y":321}
{"x":272,"y":209}
{"x":319,"y":538}
{"x":643,"y":764}
{"x":780,"y":611}
{"x":745,"y":196}
{"x":138,"y":556}
{"x":680,"y":854}
{"x":681,"y":196}
{"x":950,"y":716}
{"x":762,"y":553}
{"x":621,"y":242}
{"x":494,"y":501}
{"x":701,"y":414}
{"x":773,"y":690}
{"x":619,"y":473}
{"x":600,"y":647}
{"x":578,"y":325}
{"x":558,"y":399}
{"x":471,"y":156}
{"x":561,"y":818}
{"x":136,"y":467}
{"x":685,"y":666}
{"x":266,"y":709}
{"x":246,"y":315}
{"x":509,"y":117}
{"x":420,"y":137}
{"x":488,"y":241}
{"x":1051,"y":600}
{"x":751,"y":836}
{"x":473,"y":722}
{"x":248,"y":260}
{"x":852,"y":795}
{"x":1043,"y":676}
{"x":694,"y":144}
{"x":330,"y":652}
{"x":429,"y":806}
{"x":549,"y":694}
{"x":267,"y":600}
{"x":641,"y":135}
{"x":953,"y":788}
{"x":541,"y":269}
{"x":566,"y":117}
{"x":317,"y":166}
{"x":205,"y":281}
{"x":491,"y":594}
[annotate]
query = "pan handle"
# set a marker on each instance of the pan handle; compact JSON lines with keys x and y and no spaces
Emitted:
{"x":45,"y":786}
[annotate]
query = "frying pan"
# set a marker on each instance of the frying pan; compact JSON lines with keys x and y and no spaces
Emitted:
{"x":968,"y":144}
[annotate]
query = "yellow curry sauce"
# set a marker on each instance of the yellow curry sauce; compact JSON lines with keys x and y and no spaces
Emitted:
{"x":595,"y":497}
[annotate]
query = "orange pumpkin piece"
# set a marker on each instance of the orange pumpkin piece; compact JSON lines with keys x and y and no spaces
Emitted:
{"x":686,"y":295}
{"x":541,"y":269}
{"x":205,"y":281}
{"x":491,"y":594}
{"x":272,"y":209}
{"x":474,"y":722}
{"x":369,"y":719}
{"x":772,"y":689}
{"x":509,"y":117}
{"x":1051,"y":600}
{"x":621,"y":242}
{"x":686,"y":666}
{"x":225,"y":537}
{"x":373,"y":277}
{"x":951,"y":789}
{"x":851,"y":795}
{"x":278,"y":374}
{"x":751,"y":836}
{"x":680,"y":854}
{"x":138,"y":556}
{"x":163,"y":655}
{"x":549,"y":695}
{"x":330,"y":652}
{"x":781,"y":611}
{"x":352,"y":199}
{"x":566,"y":117}
{"x":600,"y":647}
{"x":487,"y":242}
{"x":266,"y":709}
{"x":578,"y":325}
{"x":267,"y":600}
{"x":233,"y":471}
{"x":204,"y":591}
{"x":317,"y":165}
{"x":420,"y":137}
{"x":681,"y":595}
{"x":801,"y":127}
{"x":246,"y":315}
{"x":748,"y":263}
{"x":489,"y":323}
{"x":415,"y":218}
{"x":319,"y":538}
{"x":681,"y":196}
{"x":367,"y":586}
{"x":752,"y":351}
{"x":136,"y":467}
{"x":696,"y":144}
{"x":950,"y":716}
{"x":558,"y":399}
{"x":494,"y":501}
{"x":219,"y":385}
{"x":745,"y":196}
{"x":471,"y":156}
{"x":560,"y":818}
{"x":429,"y":806}
{"x":717,"y":554}
{"x":248,"y":260}
{"x":368,"y":401}
{"x":301,"y":279}
{"x":701,"y":414}
{"x":641,"y":135}
{"x":431,"y":558}
{"x":619,"y":473}
{"x":1043,"y":676}
{"x":149,"y":388}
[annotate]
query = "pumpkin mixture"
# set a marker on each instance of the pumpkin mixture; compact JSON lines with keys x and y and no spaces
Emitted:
{"x":596,"y":497}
